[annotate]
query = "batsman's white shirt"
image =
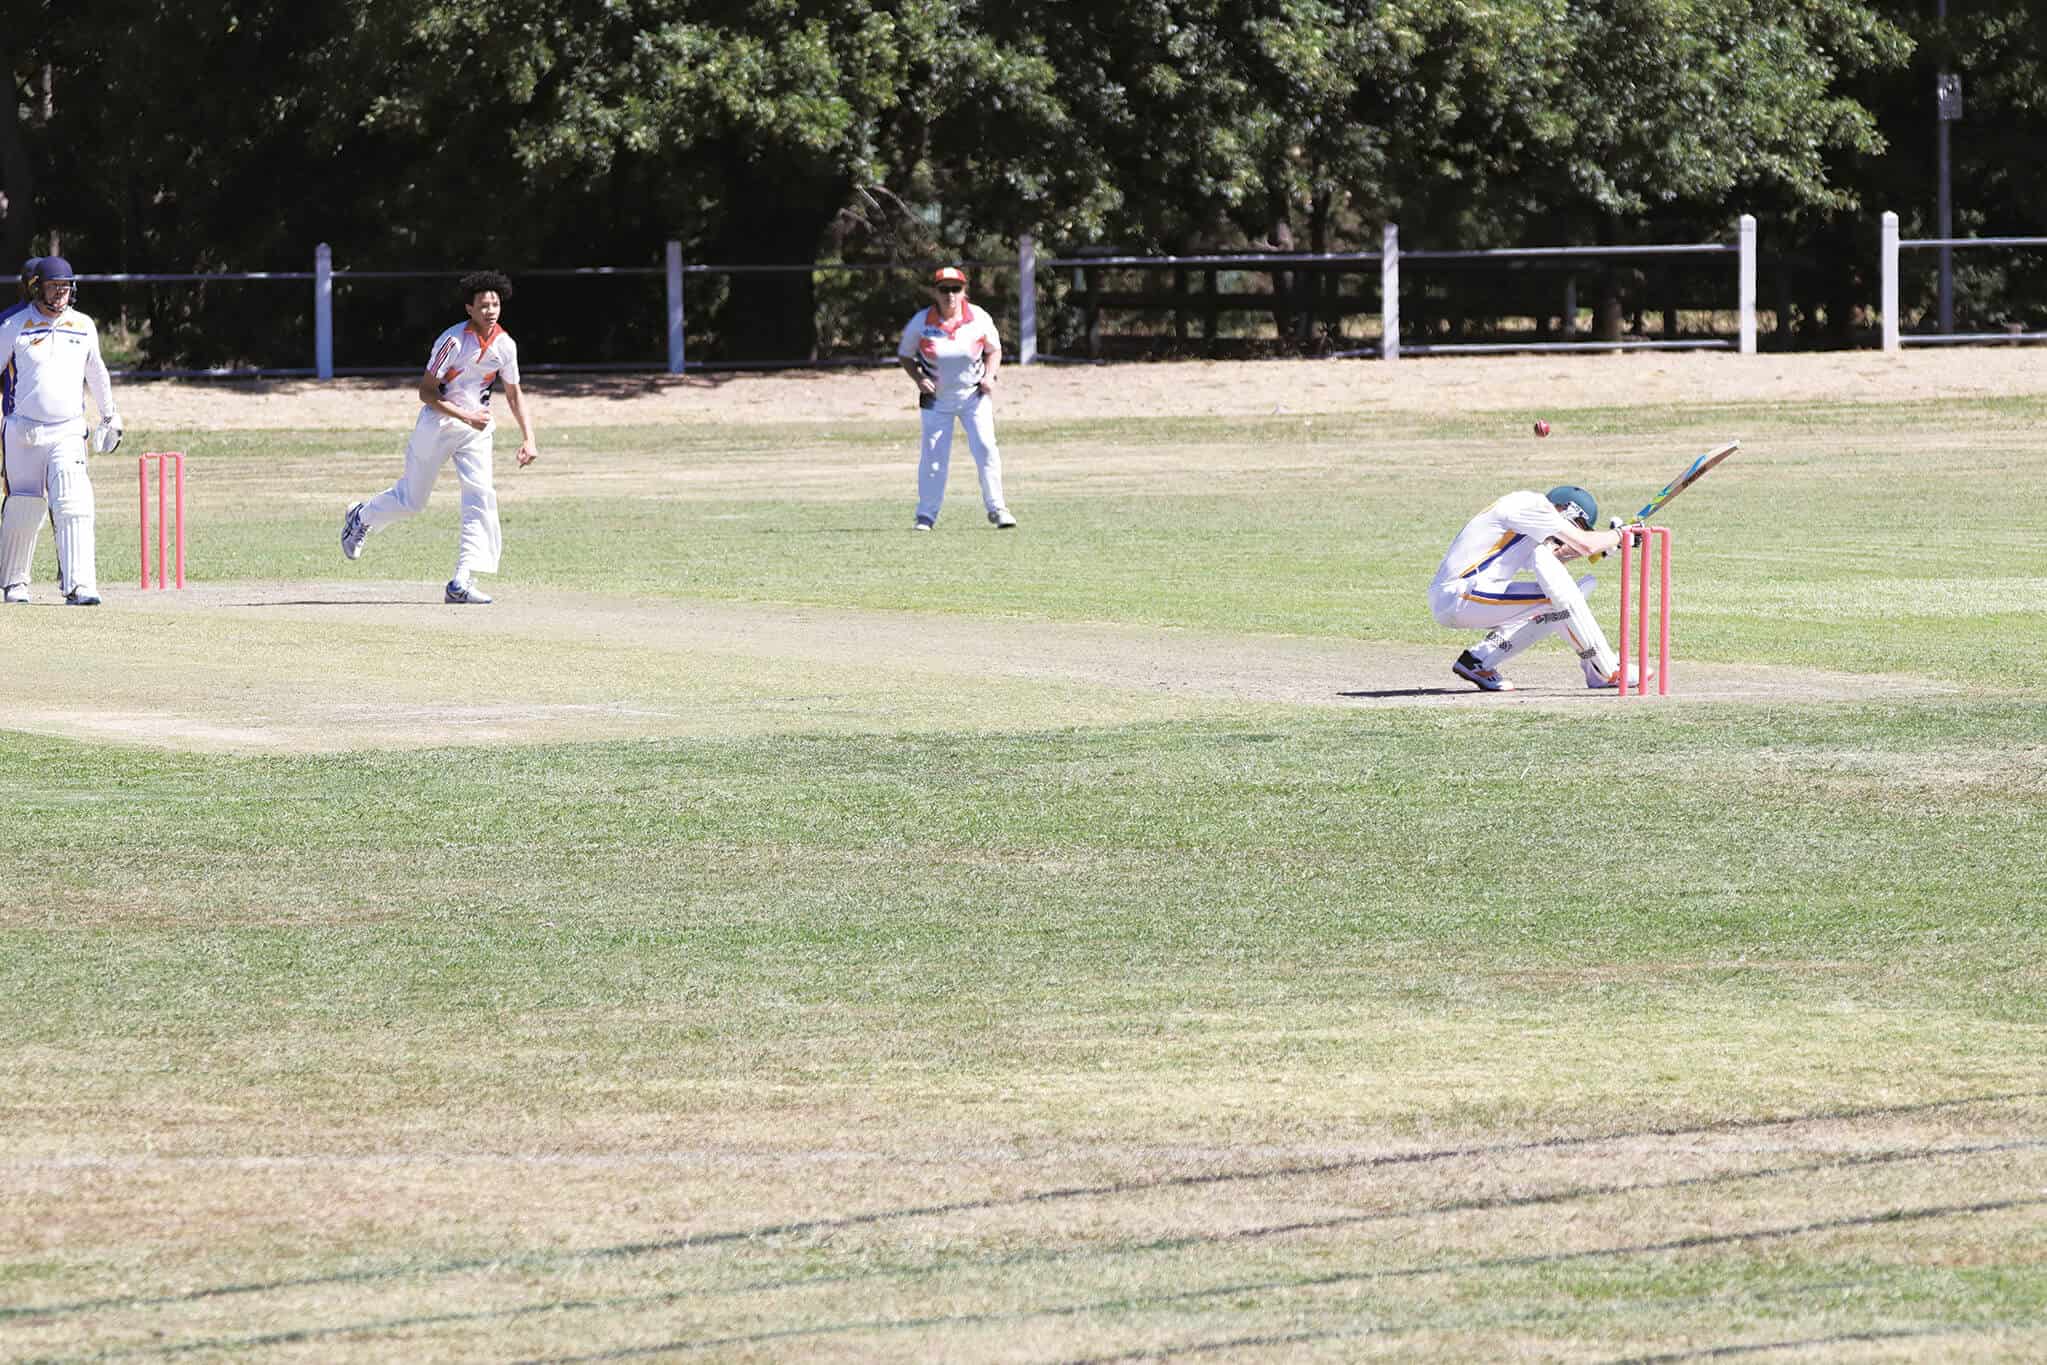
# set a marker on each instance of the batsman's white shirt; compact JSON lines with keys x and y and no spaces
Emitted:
{"x":1496,"y":547}
{"x":467,"y":364}
{"x":952,"y":353}
{"x":50,"y":363}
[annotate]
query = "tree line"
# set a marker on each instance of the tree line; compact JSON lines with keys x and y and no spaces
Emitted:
{"x":233,"y":134}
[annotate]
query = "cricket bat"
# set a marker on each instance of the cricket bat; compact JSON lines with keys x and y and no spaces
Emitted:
{"x":1697,"y":471}
{"x":1692,"y":475}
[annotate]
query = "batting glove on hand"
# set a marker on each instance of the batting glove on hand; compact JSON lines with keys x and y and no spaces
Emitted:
{"x":106,"y":438}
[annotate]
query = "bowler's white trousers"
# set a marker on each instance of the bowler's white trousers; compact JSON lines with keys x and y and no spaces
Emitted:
{"x":436,"y":440}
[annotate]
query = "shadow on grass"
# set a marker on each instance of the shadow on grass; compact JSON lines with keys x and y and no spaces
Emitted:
{"x":1413,"y":692}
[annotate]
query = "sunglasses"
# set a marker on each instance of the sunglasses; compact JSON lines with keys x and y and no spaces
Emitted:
{"x":951,"y":288}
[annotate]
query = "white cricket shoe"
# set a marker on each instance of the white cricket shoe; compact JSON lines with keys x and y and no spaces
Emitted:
{"x":1612,"y":681}
{"x":81,"y":597}
{"x":923,"y":524}
{"x":353,"y":533}
{"x":1001,"y":519}
{"x":466,"y":594}
{"x":17,"y":592}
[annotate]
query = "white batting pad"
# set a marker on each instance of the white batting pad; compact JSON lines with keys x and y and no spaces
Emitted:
{"x":1579,"y":622}
{"x":20,"y":522}
{"x":71,"y":508}
{"x":70,"y":487}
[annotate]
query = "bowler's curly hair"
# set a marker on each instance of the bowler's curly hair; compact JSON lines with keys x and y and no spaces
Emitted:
{"x":482,"y":281}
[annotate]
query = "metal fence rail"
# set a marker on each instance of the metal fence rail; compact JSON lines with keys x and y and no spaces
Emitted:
{"x":676,"y":273}
{"x":1888,"y":247}
{"x":1391,"y":257}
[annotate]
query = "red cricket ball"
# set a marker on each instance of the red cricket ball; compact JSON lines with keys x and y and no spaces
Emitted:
{"x":1541,"y":427}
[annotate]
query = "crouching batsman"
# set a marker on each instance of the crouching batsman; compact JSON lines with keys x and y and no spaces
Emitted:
{"x":1479,"y":585}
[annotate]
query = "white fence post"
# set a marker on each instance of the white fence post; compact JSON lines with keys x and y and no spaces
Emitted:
{"x":323,"y":311}
{"x":675,"y":353}
{"x":1389,"y":293}
{"x":1887,"y":255}
{"x":1748,"y":284}
{"x":1026,"y":300}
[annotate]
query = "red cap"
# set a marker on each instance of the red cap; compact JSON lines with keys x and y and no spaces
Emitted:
{"x":949,"y":274}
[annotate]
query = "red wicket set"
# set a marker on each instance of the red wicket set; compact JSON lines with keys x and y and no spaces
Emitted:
{"x":1646,"y":541}
{"x":167,"y":530}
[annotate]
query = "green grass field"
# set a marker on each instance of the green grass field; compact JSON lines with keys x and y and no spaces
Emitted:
{"x":867,"y":1007}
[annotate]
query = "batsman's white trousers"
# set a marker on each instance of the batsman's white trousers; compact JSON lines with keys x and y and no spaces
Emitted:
{"x":977,"y":415}
{"x":1528,"y":612}
{"x":436,"y":440}
{"x":46,"y":472}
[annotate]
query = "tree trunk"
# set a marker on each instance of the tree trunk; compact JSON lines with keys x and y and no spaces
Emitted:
{"x":1281,"y":237}
{"x":1607,"y":317}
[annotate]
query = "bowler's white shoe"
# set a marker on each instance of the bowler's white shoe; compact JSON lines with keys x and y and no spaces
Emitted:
{"x":17,"y":592}
{"x":467,"y":594}
{"x":1002,"y":520}
{"x":353,"y":533}
{"x":81,"y":597}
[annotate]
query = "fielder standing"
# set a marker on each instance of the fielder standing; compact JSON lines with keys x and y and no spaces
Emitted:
{"x":467,"y":362}
{"x":52,"y":357}
{"x":1476,"y":587}
{"x":953,"y":352}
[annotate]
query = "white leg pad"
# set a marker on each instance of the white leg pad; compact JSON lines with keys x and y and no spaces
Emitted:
{"x":1579,"y":623}
{"x":71,"y":508}
{"x":20,"y":522}
{"x":1505,"y":642}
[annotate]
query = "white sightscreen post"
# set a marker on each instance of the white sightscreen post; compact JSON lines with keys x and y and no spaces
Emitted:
{"x":1748,"y":284}
{"x":1389,"y":293}
{"x":675,"y":357}
{"x":323,"y":311}
{"x":1026,"y":300}
{"x":1888,"y":256}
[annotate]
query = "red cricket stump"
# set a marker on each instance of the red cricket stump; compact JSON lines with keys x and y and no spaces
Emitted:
{"x":1650,"y":542}
{"x":170,"y":518}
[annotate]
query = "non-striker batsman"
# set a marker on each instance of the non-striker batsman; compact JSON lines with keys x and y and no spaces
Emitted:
{"x":51,"y":354}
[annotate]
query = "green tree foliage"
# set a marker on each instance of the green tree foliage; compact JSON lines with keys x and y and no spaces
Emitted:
{"x":427,"y":134}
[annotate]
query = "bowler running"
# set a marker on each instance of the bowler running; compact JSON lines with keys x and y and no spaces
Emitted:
{"x":466,"y":363}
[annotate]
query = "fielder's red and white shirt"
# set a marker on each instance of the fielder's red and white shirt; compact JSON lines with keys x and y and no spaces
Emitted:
{"x":953,"y":353}
{"x":466,"y":364}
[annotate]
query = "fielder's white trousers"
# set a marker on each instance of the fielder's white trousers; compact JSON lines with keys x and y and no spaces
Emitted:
{"x":45,"y":466}
{"x":436,"y":440}
{"x":977,"y":416}
{"x":1524,"y":613}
